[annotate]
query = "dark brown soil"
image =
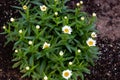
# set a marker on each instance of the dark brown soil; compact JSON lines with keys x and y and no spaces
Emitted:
{"x":108,"y":13}
{"x":107,"y":67}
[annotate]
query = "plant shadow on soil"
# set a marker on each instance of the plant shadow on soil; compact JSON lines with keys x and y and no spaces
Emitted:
{"x":107,"y":67}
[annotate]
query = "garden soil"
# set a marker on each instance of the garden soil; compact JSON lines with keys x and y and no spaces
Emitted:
{"x":107,"y":67}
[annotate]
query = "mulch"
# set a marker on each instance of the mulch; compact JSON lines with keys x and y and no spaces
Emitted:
{"x":107,"y":67}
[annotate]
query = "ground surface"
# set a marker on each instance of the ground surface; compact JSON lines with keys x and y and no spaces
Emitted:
{"x":108,"y":25}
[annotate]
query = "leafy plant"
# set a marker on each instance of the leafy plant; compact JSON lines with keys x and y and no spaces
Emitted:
{"x":52,"y":41}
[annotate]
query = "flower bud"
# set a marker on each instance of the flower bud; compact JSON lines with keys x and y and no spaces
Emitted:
{"x":82,"y":18}
{"x":30,"y":42}
{"x":65,"y":17}
{"x":94,"y":14}
{"x":61,"y":53}
{"x":78,"y":4}
{"x":45,"y":78}
{"x":70,"y":63}
{"x":12,"y":19}
{"x":4,"y":27}
{"x":81,"y":2}
{"x":20,"y":31}
{"x":56,"y":13}
{"x":27,"y":68}
{"x":16,"y":51}
{"x":37,"y":27}
{"x":79,"y":50}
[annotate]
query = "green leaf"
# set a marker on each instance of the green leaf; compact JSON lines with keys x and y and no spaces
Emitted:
{"x":17,"y":7}
{"x":81,"y":76}
{"x":23,"y":15}
{"x":86,"y":70}
{"x":39,"y":55}
{"x":16,"y":59}
{"x":69,"y":58}
{"x":69,"y":48}
{"x":31,"y":60}
{"x":42,"y":67}
{"x":15,"y":65}
{"x":26,"y":74}
{"x":36,"y":2}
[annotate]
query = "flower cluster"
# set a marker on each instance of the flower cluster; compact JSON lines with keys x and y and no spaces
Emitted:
{"x":52,"y":42}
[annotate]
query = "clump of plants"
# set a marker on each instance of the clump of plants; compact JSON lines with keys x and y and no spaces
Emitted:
{"x":52,"y":41}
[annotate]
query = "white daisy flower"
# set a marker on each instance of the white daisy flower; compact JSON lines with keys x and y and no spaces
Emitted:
{"x":16,"y":51}
{"x":70,"y":63}
{"x":91,"y":42}
{"x":20,"y":31}
{"x":93,"y":35}
{"x":37,"y":27}
{"x":93,"y":14}
{"x":61,"y":53}
{"x":46,"y":45}
{"x":82,"y":18}
{"x":45,"y":78}
{"x":24,"y":7}
{"x":43,"y":8}
{"x":67,"y":29}
{"x":79,"y":50}
{"x":67,"y":74}
{"x":30,"y":42}
{"x":56,"y":13}
{"x":12,"y":19}
{"x":27,"y":68}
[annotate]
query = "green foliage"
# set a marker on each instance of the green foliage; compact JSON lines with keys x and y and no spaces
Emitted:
{"x":49,"y":41}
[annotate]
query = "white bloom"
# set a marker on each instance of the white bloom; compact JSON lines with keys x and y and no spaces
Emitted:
{"x":82,"y":18}
{"x":70,"y":63}
{"x":43,"y":8}
{"x":61,"y":53}
{"x":4,"y":27}
{"x":67,"y":29}
{"x":81,"y":2}
{"x":45,"y":78}
{"x":67,"y":74}
{"x":91,"y":42}
{"x":78,"y":4}
{"x":46,"y":45}
{"x":79,"y":50}
{"x":37,"y":27}
{"x":93,"y":34}
{"x":65,"y":17}
{"x":27,"y":68}
{"x":24,"y":7}
{"x":12,"y":19}
{"x":20,"y":31}
{"x":30,"y":42}
{"x":56,"y":13}
{"x":16,"y":51}
{"x":94,"y":14}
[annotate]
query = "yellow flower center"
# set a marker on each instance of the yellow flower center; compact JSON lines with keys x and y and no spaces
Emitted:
{"x":90,"y":42}
{"x":24,"y":7}
{"x":66,"y":74}
{"x":93,"y":35}
{"x":66,"y":30}
{"x":43,"y":8}
{"x":46,"y":46}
